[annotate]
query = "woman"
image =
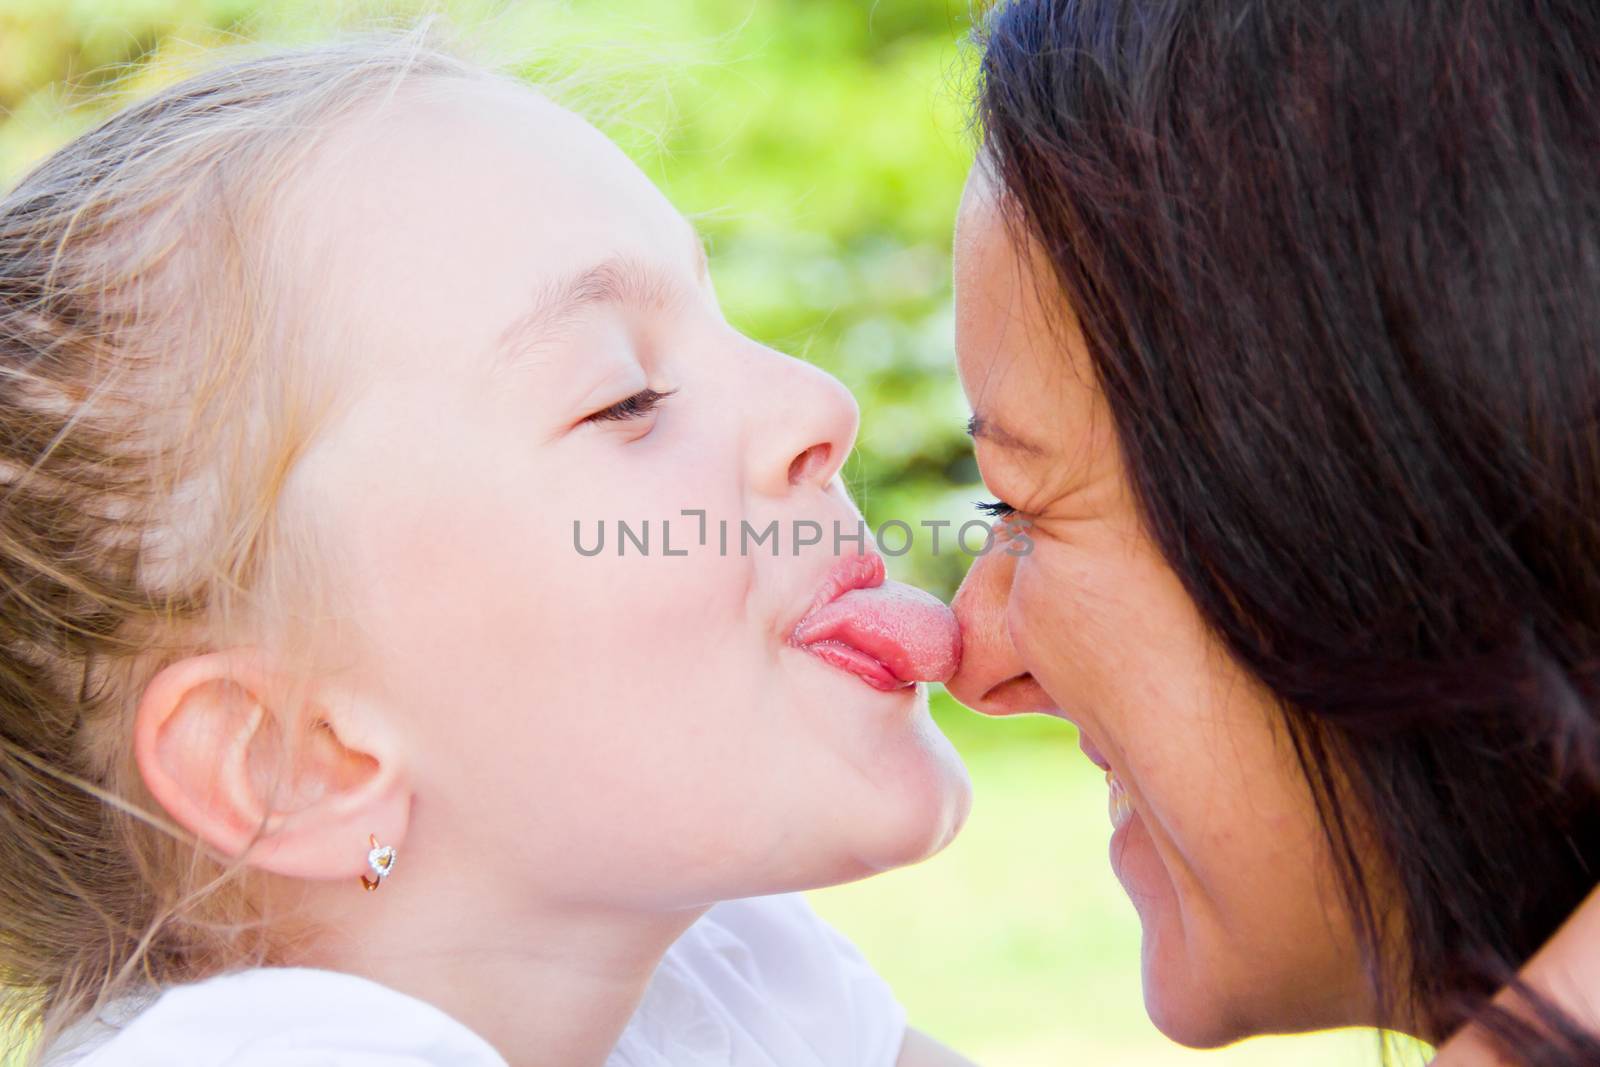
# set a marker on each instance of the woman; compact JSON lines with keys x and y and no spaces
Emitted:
{"x":1280,"y":323}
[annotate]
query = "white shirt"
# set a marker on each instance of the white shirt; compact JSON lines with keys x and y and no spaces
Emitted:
{"x":757,"y":982}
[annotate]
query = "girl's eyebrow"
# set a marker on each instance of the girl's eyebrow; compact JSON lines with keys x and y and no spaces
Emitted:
{"x":616,"y":281}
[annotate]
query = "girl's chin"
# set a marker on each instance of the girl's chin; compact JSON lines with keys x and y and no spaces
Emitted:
{"x":905,"y":818}
{"x":904,"y":793}
{"x":921,"y":802}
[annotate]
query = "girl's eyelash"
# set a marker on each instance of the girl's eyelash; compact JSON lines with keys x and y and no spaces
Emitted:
{"x":995,"y":509}
{"x":635,"y":406}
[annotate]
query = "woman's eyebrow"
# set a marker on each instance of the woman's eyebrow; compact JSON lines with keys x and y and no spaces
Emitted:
{"x":616,"y":281}
{"x":978,"y":426}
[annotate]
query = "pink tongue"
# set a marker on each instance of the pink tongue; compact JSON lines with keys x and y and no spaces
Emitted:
{"x":892,"y":635}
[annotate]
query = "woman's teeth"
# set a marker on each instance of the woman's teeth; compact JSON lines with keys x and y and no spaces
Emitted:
{"x":1118,"y":802}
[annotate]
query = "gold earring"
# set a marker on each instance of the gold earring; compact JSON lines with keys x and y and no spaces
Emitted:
{"x":381,"y":860}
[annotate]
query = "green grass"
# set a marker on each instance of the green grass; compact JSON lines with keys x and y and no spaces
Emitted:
{"x":1016,"y":944}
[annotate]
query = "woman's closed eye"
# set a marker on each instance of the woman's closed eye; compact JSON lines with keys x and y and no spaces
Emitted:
{"x":995,"y":509}
{"x":636,"y":406}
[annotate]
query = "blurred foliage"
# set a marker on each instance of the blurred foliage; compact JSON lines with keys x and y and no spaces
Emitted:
{"x":821,"y":147}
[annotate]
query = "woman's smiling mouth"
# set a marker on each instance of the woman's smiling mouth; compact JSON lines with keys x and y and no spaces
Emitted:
{"x":1119,"y":805}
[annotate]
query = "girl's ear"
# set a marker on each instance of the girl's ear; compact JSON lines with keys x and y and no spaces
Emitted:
{"x":226,"y":755}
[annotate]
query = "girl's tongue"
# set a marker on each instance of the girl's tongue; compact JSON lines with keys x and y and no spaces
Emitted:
{"x":891,"y":635}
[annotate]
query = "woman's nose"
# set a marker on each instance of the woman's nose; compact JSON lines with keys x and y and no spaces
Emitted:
{"x":992,"y":677}
{"x":802,"y":425}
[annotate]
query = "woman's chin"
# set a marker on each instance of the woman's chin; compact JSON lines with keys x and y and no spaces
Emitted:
{"x":1180,"y":1001}
{"x":1201,"y":989}
{"x":1191,"y":1025}
{"x":1183,"y":1001}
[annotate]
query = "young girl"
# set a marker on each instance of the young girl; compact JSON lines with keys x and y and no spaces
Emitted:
{"x":321,"y":741}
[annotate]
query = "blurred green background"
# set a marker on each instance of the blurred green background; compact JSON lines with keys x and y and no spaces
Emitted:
{"x":821,"y":146}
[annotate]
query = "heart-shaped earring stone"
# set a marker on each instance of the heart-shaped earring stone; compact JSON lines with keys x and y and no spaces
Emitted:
{"x":381,"y":860}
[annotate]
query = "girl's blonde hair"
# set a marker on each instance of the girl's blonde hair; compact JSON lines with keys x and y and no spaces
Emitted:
{"x":154,"y":398}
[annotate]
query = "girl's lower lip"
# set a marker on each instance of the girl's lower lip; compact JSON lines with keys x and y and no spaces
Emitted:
{"x":856,"y":662}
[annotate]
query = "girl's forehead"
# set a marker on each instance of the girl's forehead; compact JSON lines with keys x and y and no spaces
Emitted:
{"x":448,"y":140}
{"x":434,"y":218}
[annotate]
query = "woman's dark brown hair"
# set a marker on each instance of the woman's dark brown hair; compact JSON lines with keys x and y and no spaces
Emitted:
{"x":1337,"y":263}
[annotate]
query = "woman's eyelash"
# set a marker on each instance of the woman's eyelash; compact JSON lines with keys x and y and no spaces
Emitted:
{"x":995,"y":509}
{"x":635,"y":406}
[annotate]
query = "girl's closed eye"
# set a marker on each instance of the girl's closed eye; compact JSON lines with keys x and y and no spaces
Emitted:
{"x":636,"y":406}
{"x":995,"y":509}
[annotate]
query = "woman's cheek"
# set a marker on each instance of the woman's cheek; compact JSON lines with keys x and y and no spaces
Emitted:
{"x":1056,"y":629}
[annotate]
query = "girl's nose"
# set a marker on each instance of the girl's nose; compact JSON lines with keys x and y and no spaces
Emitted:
{"x":992,"y":678}
{"x":803,"y":425}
